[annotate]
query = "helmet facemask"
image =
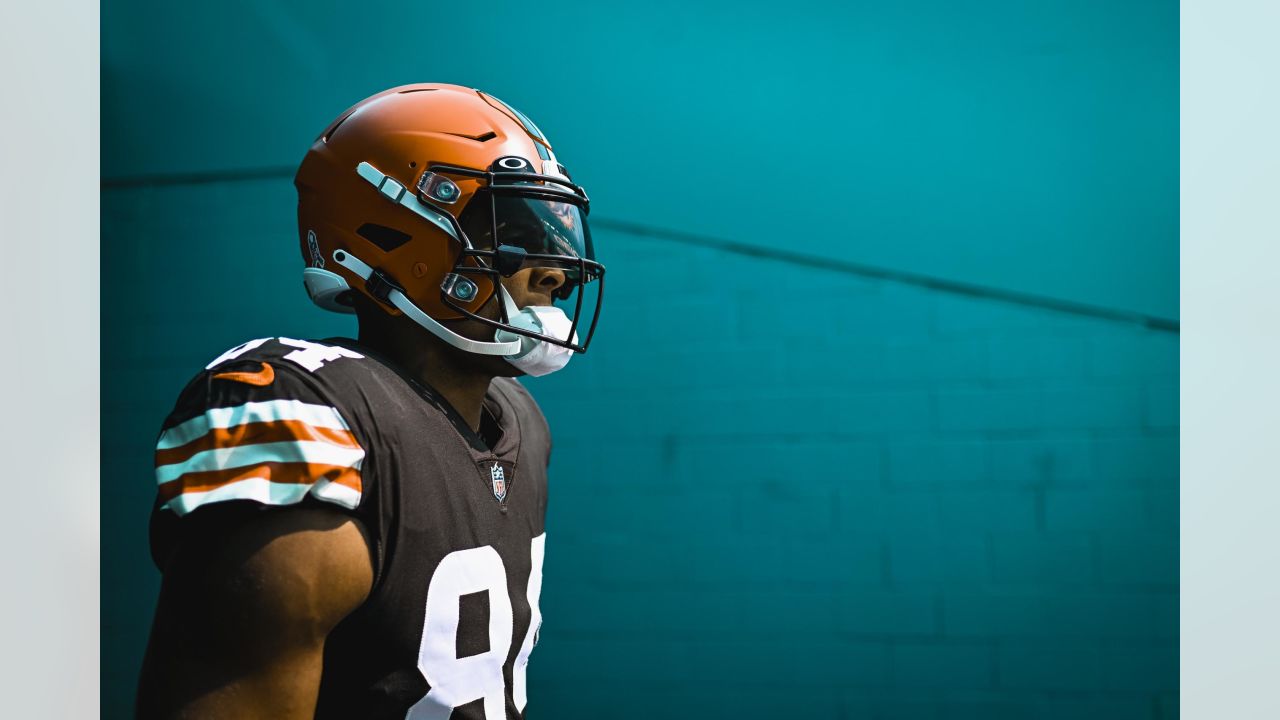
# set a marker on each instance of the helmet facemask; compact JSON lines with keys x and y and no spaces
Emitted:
{"x":519,"y":219}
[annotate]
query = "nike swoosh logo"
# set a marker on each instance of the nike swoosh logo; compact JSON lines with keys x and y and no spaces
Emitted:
{"x":261,"y":378}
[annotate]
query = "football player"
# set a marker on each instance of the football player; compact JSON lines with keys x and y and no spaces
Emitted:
{"x":354,"y":528}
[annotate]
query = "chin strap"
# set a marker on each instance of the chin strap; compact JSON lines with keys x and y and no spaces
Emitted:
{"x":406,"y":306}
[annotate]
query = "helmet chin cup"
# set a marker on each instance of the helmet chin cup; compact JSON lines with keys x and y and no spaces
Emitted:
{"x":520,"y":320}
{"x":402,"y":303}
{"x":325,"y":289}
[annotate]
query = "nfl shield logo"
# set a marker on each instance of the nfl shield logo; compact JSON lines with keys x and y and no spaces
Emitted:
{"x":499,"y":480}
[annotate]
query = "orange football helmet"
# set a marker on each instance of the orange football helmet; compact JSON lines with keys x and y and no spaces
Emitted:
{"x":421,"y":196}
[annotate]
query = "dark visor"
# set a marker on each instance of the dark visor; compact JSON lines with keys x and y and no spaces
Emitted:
{"x":551,"y":233}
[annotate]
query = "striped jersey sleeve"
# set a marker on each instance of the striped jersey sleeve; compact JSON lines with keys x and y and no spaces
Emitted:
{"x":256,"y":431}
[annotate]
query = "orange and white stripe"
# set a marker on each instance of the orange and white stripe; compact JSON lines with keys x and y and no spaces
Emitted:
{"x":275,"y":452}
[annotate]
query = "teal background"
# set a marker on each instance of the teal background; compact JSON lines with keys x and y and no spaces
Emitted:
{"x":935,"y":476}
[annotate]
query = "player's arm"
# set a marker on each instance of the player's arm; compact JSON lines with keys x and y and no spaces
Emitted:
{"x":244,"y":612}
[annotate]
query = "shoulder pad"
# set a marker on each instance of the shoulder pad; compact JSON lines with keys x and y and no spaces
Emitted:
{"x":273,"y":434}
{"x":306,"y":354}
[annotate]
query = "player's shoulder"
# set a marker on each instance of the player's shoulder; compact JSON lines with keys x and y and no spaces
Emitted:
{"x":297,"y":355}
{"x":264,"y":421}
{"x":267,"y":369}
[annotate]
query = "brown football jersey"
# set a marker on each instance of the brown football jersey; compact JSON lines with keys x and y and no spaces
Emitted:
{"x":455,"y":517}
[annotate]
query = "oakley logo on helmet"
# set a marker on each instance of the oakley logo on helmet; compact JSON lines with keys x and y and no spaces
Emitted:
{"x":511,"y":163}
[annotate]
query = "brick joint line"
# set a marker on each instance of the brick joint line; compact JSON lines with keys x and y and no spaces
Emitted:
{"x":954,"y":287}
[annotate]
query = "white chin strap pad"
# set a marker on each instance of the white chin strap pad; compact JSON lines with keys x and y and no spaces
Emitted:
{"x":406,"y":306}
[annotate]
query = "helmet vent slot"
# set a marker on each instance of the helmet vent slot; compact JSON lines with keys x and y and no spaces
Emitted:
{"x":386,"y":238}
{"x":484,"y":137}
{"x":335,"y":127}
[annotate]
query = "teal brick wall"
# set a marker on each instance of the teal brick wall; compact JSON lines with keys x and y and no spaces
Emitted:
{"x":786,"y":490}
{"x":777,"y":491}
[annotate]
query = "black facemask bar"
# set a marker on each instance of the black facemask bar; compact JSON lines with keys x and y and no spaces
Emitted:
{"x":506,"y":260}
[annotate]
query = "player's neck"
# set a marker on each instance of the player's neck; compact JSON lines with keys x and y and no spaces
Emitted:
{"x":463,"y":387}
{"x":454,"y":378}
